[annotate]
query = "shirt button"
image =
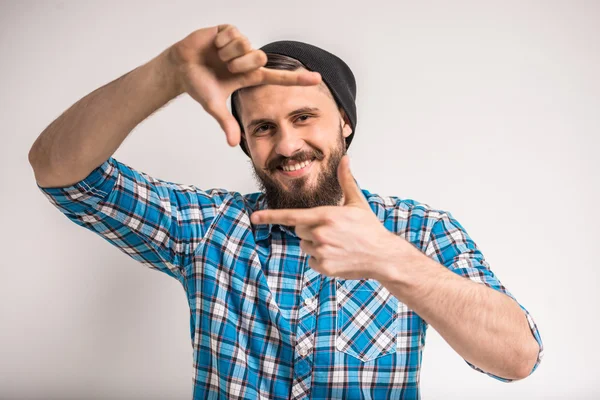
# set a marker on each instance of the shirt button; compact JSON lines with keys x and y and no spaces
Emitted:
{"x":310,"y":302}
{"x":303,"y":352}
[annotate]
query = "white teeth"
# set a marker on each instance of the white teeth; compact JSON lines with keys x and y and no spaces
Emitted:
{"x":295,"y":167}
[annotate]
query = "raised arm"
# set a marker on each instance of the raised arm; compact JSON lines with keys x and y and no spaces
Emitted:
{"x":92,"y":129}
{"x":209,"y":64}
{"x":156,"y":222}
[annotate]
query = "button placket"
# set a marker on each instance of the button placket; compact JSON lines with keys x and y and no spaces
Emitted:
{"x":306,"y":326}
{"x":311,"y":303}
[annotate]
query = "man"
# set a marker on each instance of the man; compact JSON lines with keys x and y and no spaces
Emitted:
{"x":311,"y":288}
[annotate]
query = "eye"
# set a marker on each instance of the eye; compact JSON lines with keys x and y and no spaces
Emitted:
{"x":260,"y":129}
{"x":302,"y":116}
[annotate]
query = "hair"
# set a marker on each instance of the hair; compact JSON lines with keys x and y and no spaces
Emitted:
{"x":275,"y":61}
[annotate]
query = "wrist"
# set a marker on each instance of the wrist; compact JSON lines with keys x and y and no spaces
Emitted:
{"x":400,"y":263}
{"x":167,"y":72}
{"x":392,"y":256}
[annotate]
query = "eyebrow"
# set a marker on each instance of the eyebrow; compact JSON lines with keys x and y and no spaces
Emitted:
{"x":255,"y":122}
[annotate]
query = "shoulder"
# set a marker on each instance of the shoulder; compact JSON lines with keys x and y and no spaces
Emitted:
{"x":390,"y":207}
{"x":412,"y":219}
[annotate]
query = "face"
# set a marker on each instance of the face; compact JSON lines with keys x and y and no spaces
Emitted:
{"x":296,"y":138}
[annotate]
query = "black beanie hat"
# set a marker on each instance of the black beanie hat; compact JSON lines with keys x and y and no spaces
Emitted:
{"x":334,"y":71}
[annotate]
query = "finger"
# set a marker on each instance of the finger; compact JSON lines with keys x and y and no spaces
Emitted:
{"x":288,"y":217}
{"x":305,"y":232}
{"x":314,"y":264}
{"x":308,"y":247}
{"x":236,"y":48}
{"x":248,"y":62}
{"x":269,"y":76}
{"x":225,"y":34}
{"x":299,"y":77}
{"x":352,"y":193}
{"x":228,"y":123}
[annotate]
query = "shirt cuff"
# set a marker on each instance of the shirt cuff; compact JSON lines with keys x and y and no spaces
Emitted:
{"x":92,"y":189}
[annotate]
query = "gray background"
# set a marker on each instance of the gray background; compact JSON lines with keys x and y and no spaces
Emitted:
{"x":489,"y":110}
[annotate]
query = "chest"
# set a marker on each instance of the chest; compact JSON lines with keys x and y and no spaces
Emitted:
{"x":267,"y":289}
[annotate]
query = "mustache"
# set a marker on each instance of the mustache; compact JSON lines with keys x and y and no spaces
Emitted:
{"x":298,"y":157}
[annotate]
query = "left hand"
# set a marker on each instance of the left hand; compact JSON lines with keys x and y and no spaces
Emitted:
{"x":347,"y":242}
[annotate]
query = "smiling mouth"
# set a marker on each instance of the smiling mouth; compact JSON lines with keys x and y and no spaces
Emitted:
{"x":296,"y":169}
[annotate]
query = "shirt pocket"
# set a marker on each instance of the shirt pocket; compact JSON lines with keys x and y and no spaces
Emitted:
{"x":367,"y":319}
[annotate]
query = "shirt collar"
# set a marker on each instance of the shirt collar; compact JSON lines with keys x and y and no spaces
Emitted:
{"x":262,"y":231}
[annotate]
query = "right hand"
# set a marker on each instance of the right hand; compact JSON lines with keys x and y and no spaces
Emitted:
{"x":212,"y":63}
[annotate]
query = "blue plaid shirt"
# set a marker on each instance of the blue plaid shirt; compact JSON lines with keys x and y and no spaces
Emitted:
{"x":263,"y":323}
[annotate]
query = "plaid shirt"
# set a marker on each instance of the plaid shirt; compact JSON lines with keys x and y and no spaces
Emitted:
{"x":263,"y":323}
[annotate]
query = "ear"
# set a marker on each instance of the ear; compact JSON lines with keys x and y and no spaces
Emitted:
{"x":347,"y":128}
{"x":243,"y":139}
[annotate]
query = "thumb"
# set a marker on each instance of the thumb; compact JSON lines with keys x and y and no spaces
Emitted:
{"x":352,"y":193}
{"x":226,"y":120}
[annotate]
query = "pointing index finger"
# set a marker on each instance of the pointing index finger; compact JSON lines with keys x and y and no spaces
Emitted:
{"x":288,"y":217}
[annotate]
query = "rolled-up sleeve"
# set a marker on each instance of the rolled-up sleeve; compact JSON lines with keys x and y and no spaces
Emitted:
{"x":155,"y":222}
{"x":452,"y":247}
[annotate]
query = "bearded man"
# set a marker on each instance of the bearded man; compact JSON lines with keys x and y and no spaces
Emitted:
{"x":311,"y":287}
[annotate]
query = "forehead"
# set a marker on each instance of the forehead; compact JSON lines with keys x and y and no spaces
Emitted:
{"x":272,"y":101}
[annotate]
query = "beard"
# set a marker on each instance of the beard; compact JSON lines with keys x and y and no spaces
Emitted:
{"x":325,"y":192}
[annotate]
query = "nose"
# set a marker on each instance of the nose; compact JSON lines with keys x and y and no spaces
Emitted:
{"x":289,"y":141}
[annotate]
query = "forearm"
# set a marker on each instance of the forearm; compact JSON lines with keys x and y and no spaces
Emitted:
{"x":92,"y":129}
{"x":485,"y":327}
